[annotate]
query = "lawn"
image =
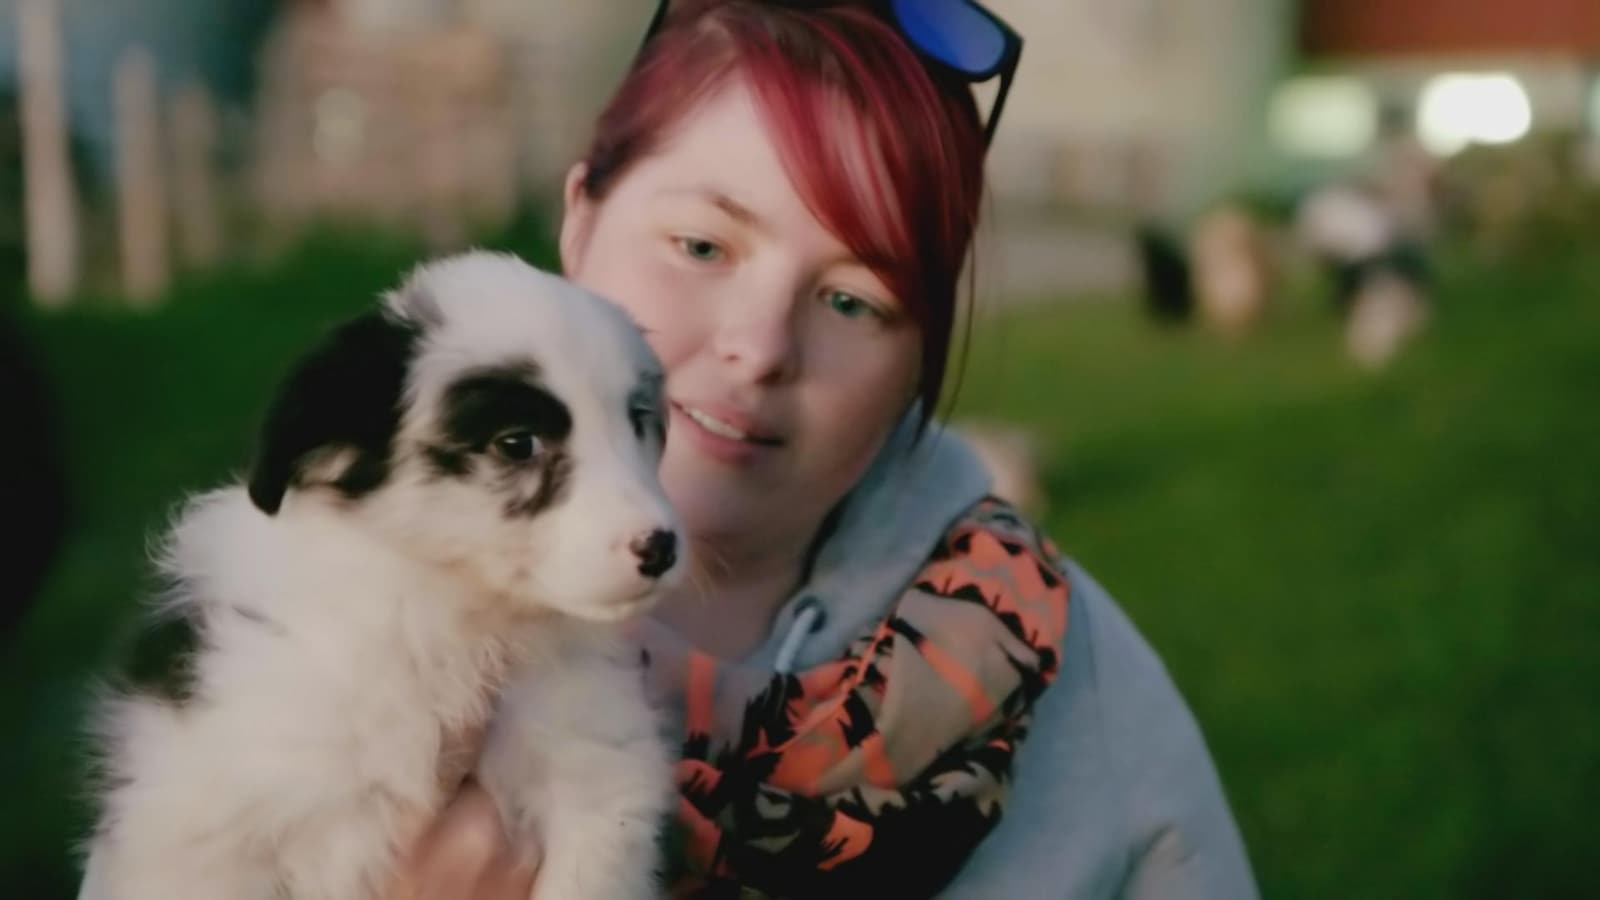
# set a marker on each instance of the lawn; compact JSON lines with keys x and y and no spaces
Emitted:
{"x":1379,"y":592}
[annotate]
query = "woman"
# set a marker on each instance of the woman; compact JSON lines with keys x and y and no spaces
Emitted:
{"x":783,"y":197}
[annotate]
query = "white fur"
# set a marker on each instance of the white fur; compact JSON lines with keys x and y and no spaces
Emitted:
{"x":345,"y":640}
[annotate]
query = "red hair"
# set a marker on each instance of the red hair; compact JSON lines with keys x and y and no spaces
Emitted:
{"x":900,"y":179}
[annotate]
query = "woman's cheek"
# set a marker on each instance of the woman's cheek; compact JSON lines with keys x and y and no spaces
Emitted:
{"x":665,"y":296}
{"x":645,"y":285}
{"x":655,"y":263}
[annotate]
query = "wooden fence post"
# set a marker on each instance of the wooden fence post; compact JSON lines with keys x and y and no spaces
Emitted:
{"x":194,"y":177}
{"x":51,"y":204}
{"x":141,"y":182}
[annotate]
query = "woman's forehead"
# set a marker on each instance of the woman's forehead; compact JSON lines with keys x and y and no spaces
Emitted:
{"x":721,"y":139}
{"x":725,"y":155}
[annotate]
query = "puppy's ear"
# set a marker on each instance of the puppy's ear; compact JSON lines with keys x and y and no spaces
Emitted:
{"x":335,"y":416}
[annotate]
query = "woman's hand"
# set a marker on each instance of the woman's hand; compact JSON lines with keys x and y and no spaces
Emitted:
{"x":465,"y":855}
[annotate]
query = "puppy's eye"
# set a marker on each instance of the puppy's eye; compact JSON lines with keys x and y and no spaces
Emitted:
{"x":647,"y":420}
{"x":516,"y":446}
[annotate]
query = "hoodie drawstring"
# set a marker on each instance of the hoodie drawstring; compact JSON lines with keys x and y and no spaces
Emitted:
{"x":809,"y":617}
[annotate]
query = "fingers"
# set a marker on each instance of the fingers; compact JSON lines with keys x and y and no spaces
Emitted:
{"x":508,"y":879}
{"x":466,"y":856}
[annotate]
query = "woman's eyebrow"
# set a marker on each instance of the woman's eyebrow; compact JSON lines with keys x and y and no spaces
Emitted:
{"x":729,"y":206}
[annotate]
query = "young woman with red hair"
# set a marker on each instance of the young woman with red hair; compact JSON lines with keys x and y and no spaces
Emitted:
{"x":886,"y":680}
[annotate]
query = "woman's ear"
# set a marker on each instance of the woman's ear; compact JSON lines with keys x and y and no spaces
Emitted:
{"x":576,"y":217}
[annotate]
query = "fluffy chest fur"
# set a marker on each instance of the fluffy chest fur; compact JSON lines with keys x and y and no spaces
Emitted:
{"x":331,"y":679}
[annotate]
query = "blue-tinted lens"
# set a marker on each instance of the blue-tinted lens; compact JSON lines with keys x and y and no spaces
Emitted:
{"x":954,"y":32}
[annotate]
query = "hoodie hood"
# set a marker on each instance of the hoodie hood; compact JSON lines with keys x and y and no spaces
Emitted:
{"x":908,"y":498}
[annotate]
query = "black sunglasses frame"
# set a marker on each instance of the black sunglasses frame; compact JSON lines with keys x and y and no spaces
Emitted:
{"x":1005,"y":67}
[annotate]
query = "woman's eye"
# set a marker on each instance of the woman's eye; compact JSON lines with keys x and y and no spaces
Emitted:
{"x":516,"y":446}
{"x":849,"y":305}
{"x":701,"y":250}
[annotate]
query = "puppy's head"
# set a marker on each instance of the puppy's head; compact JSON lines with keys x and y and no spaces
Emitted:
{"x":494,"y":420}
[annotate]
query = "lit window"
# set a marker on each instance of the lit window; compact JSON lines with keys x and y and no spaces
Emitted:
{"x":1457,"y":110}
{"x":1327,"y":117}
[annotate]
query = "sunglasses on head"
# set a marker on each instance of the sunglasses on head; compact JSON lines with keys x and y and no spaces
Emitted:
{"x":956,"y":36}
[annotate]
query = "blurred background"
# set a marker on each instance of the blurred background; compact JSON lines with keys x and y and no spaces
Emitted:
{"x":1288,"y":324}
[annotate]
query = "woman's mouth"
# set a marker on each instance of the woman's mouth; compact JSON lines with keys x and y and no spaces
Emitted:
{"x":727,"y":429}
{"x":727,"y":436}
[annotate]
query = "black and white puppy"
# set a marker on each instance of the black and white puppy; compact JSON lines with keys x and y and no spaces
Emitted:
{"x":454,"y":502}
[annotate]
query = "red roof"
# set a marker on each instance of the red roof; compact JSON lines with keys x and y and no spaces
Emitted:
{"x":1416,"y":27}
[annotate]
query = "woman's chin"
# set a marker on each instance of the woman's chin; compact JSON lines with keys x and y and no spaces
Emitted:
{"x":712,"y":503}
{"x":719,"y":518}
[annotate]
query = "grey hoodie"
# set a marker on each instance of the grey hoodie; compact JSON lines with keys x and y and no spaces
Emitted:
{"x":1114,"y":792}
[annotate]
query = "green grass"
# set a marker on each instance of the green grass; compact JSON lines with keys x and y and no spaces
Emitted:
{"x":1378,"y":592}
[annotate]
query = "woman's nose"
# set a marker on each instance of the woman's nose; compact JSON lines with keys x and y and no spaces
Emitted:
{"x":758,"y":336}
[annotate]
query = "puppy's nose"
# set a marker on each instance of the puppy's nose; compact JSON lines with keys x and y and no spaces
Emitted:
{"x":657,"y":551}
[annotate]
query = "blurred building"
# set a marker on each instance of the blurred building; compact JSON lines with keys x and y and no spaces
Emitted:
{"x":1151,"y":105}
{"x":206,"y":41}
{"x":1144,"y":107}
{"x":392,"y":111}
{"x":1119,"y":105}
{"x":424,"y":111}
{"x":1452,"y":73}
{"x":1123,"y":110}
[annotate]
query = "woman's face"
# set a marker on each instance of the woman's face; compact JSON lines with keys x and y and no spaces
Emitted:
{"x":788,"y":362}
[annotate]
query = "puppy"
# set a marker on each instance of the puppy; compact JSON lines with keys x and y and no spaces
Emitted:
{"x":454,"y":503}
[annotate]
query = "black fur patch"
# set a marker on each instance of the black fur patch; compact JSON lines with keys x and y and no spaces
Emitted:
{"x":638,"y":418}
{"x":448,"y":462}
{"x":344,"y":394}
{"x":488,"y":402}
{"x":553,"y":479}
{"x":159,"y":660}
{"x":645,"y":412}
